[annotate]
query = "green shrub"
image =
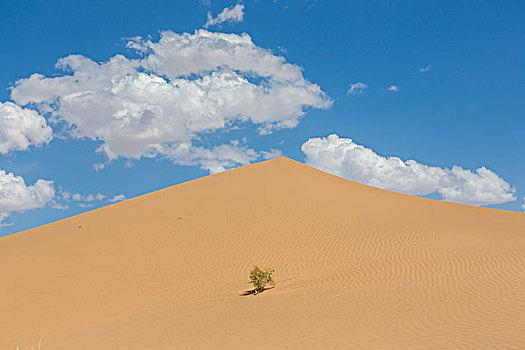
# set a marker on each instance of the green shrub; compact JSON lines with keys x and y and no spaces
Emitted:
{"x":260,"y":278}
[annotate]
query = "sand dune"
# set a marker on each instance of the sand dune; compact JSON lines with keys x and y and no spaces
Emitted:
{"x":356,"y":268}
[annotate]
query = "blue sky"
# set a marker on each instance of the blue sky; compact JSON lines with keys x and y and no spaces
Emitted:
{"x":442,"y":85}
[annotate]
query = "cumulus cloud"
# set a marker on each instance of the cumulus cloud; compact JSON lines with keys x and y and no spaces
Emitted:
{"x":184,"y":85}
{"x":60,"y":206}
{"x":392,"y":88}
{"x":117,"y":198}
{"x":343,"y":157}
{"x":86,"y":205}
{"x":357,"y":88}
{"x":232,"y":14}
{"x":523,"y":205}
{"x":426,"y":68}
{"x":21,"y":128}
{"x":65,"y":198}
{"x":78,"y":197}
{"x":16,"y":196}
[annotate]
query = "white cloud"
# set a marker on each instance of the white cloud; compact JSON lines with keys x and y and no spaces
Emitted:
{"x":117,"y":198}
{"x":343,"y":157}
{"x":90,"y":197}
{"x":392,"y":88}
{"x":427,"y":68}
{"x":523,"y":205}
{"x":232,"y":14}
{"x":86,"y":205}
{"x":21,"y":128}
{"x":63,"y":199}
{"x":82,"y":199}
{"x":213,"y":160}
{"x":99,"y":166}
{"x":183,"y":86}
{"x":271,"y":154}
{"x":59,"y":206}
{"x":357,"y":88}
{"x":16,"y":196}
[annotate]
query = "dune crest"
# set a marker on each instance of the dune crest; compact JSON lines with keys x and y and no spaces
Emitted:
{"x":356,"y":267}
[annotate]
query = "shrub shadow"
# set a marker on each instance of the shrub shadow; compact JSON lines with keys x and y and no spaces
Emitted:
{"x":252,"y":291}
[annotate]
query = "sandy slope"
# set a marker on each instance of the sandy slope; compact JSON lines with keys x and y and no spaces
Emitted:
{"x":356,"y":268}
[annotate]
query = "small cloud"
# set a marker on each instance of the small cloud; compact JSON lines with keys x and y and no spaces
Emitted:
{"x":6,"y":224}
{"x":425,"y":69}
{"x":523,"y":205}
{"x":98,"y":166}
{"x":273,"y":153}
{"x":392,"y":88}
{"x":66,"y":195}
{"x":83,"y":200}
{"x":357,"y":88}
{"x":86,"y":205}
{"x":233,"y":14}
{"x":60,"y":206}
{"x":205,"y":2}
{"x":117,"y":198}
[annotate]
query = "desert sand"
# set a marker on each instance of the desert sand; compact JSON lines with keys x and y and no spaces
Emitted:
{"x":356,"y":267}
